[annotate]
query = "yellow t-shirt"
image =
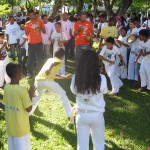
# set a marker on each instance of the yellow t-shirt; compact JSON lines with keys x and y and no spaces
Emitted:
{"x":53,"y":71}
{"x":108,"y":31}
{"x":16,"y":100}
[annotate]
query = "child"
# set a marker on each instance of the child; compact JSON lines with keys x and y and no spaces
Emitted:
{"x":122,"y":40}
{"x":45,"y":81}
{"x":132,"y":68}
{"x":108,"y":54}
{"x":11,"y":33}
{"x":21,"y":44}
{"x":145,"y":65}
{"x":17,"y":105}
{"x":89,"y":87}
{"x":4,"y":60}
{"x":59,"y":38}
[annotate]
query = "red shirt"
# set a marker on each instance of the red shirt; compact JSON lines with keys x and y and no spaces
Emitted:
{"x":80,"y":38}
{"x":34,"y":36}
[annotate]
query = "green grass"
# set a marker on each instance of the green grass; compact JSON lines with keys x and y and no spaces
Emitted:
{"x":127,"y":120}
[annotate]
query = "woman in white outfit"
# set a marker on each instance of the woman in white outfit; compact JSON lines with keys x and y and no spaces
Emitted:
{"x":89,"y":87}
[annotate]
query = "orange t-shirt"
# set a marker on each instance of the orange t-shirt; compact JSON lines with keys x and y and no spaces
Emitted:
{"x":34,"y":35}
{"x":80,"y":38}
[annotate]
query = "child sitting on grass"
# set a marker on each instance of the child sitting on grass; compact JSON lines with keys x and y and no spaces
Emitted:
{"x":108,"y":55}
{"x":17,"y":105}
{"x":45,"y":81}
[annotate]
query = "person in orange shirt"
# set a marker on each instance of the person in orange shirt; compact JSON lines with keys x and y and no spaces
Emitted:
{"x":83,"y":30}
{"x":33,"y":28}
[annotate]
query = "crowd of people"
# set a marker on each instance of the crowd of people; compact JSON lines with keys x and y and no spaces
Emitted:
{"x":43,"y":44}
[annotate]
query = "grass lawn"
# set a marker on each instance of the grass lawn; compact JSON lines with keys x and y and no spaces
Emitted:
{"x":127,"y":119}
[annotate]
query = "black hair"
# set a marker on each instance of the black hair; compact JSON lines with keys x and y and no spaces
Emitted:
{"x":87,"y":77}
{"x":124,"y":28}
{"x":43,"y":16}
{"x":13,"y":68}
{"x":83,"y":13}
{"x":31,"y":11}
{"x":37,"y":13}
{"x":134,"y":13}
{"x":58,"y":23}
{"x":128,"y":15}
{"x":2,"y":34}
{"x":148,"y":15}
{"x":11,"y":16}
{"x":137,"y":19}
{"x":110,"y":40}
{"x":59,"y":53}
{"x":102,"y":16}
{"x":144,"y":32}
{"x":111,"y":19}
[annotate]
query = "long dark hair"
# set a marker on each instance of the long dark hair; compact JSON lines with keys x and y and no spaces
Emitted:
{"x":87,"y":78}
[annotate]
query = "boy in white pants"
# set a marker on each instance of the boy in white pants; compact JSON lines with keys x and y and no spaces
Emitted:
{"x":145,"y":65}
{"x":45,"y":81}
{"x":18,"y":104}
{"x":4,"y":60}
{"x":108,"y":55}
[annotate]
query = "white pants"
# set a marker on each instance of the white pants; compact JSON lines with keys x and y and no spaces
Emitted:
{"x":3,"y":76}
{"x":86,"y":122}
{"x":145,"y":74}
{"x":132,"y":68}
{"x":19,"y":143}
{"x":116,"y":83}
{"x":121,"y":70}
{"x":54,"y":88}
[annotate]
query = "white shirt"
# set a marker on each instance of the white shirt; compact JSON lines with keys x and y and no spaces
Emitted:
{"x":109,"y":54}
{"x":145,"y":23}
{"x":100,"y":25}
{"x":49,"y":27}
{"x":58,"y":37}
{"x":146,"y":48}
{"x":11,"y":30}
{"x":66,"y":27}
{"x":20,"y":34}
{"x":123,"y":49}
{"x":95,"y":101}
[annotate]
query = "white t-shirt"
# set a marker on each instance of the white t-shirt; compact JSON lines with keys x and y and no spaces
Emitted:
{"x":49,"y":27}
{"x":66,"y":27}
{"x":100,"y":25}
{"x":20,"y":34}
{"x":58,"y":37}
{"x":145,"y":23}
{"x":11,"y":30}
{"x":91,"y":101}
{"x":123,"y":49}
{"x":109,"y":54}
{"x":146,"y":48}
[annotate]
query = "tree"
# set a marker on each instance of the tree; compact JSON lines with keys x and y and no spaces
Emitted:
{"x":123,"y":6}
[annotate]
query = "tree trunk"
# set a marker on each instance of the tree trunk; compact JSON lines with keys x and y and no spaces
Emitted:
{"x":95,"y":8}
{"x":125,"y":4}
{"x":80,"y":6}
{"x":108,"y":8}
{"x":122,"y":8}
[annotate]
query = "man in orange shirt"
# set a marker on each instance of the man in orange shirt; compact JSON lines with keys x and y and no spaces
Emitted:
{"x":34,"y":27}
{"x":83,"y":30}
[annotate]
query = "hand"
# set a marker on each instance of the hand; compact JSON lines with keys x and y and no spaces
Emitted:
{"x":119,"y":42}
{"x":31,"y":91}
{"x":144,"y":54}
{"x":136,"y":54}
{"x":68,"y":76}
{"x":80,"y":29}
{"x":135,"y":61}
{"x":52,"y":40}
{"x":111,"y":62}
{"x":125,"y":65}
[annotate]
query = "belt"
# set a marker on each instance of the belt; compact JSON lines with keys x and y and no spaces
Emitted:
{"x":86,"y":111}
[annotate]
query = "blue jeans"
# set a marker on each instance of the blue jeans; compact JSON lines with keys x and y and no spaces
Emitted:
{"x":13,"y":47}
{"x":35,"y":55}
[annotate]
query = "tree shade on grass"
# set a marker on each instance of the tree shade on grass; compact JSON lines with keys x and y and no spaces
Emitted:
{"x":127,"y":119}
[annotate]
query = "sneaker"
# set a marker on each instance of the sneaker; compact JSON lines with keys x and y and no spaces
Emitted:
{"x":29,"y":76}
{"x":143,"y":89}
